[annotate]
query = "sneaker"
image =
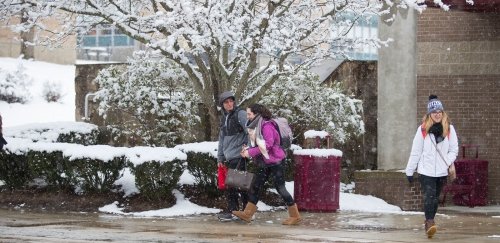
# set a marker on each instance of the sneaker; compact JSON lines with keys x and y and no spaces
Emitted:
{"x":225,"y":217}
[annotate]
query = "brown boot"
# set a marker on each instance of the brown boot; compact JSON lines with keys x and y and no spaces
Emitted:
{"x":430,"y":228}
{"x":246,"y":214}
{"x":294,"y":216}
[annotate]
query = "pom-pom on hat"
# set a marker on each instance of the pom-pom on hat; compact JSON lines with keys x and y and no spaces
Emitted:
{"x":434,"y":104}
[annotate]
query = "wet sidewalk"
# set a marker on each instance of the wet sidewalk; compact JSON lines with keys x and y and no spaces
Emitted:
{"x":455,"y":224}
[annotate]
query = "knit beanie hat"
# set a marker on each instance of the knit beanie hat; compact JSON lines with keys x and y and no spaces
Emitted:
{"x":434,"y":104}
{"x":224,"y":96}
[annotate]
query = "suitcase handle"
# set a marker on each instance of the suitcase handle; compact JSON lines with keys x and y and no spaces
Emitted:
{"x":464,"y":146}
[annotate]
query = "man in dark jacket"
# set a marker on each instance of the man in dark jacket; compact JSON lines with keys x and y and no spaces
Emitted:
{"x":232,"y":136}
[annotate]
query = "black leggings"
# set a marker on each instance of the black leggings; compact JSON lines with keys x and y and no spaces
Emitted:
{"x":431,"y":186}
{"x":262,"y":176}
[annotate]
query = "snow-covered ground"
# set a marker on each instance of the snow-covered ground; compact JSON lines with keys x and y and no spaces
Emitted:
{"x":22,"y":117}
{"x":38,"y":110}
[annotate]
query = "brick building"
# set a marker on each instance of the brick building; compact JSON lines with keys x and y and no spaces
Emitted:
{"x":458,"y":58}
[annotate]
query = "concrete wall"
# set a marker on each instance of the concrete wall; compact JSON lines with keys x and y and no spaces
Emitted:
{"x":63,"y":54}
{"x":396,"y":90}
{"x":459,"y":60}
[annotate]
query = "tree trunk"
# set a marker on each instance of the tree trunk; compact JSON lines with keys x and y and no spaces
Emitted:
{"x":27,"y":50}
{"x":210,"y":122}
{"x":214,"y":122}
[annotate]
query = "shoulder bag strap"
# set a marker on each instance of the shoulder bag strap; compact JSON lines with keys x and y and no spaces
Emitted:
{"x":439,"y":152}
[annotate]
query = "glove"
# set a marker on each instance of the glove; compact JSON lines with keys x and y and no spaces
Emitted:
{"x":410,"y":179}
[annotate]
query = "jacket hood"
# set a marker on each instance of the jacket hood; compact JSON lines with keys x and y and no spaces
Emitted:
{"x":224,"y":96}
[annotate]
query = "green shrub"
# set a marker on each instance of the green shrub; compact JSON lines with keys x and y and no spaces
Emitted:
{"x":53,"y":167}
{"x":14,"y":170}
{"x":156,"y":180}
{"x":79,"y":138}
{"x":94,"y":175}
{"x":204,"y":169}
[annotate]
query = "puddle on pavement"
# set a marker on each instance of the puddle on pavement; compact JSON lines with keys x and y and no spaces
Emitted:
{"x":367,"y":227}
{"x":19,"y":225}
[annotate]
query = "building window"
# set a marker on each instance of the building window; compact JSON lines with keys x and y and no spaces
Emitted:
{"x":105,"y":36}
{"x":363,"y":28}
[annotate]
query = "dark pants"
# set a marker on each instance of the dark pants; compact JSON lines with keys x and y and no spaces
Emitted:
{"x":262,"y":176}
{"x":233,"y":195}
{"x":431,"y":186}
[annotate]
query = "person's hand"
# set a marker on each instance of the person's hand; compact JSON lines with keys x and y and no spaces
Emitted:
{"x":244,"y":153}
{"x":410,"y":179}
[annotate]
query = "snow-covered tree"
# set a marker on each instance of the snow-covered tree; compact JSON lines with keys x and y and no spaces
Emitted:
{"x":311,"y":105}
{"x":220,"y":44}
{"x":153,"y":99}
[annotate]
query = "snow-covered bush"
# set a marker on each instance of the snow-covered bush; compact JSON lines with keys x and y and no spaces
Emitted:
{"x":157,"y":179}
{"x":60,"y":132}
{"x":307,"y":105}
{"x":14,"y":85}
{"x":203,"y":167}
{"x":52,"y":91}
{"x":148,"y":100}
{"x":96,"y":175}
{"x":14,"y":169}
{"x":52,"y":167}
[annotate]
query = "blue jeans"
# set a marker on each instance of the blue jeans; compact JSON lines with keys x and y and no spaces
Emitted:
{"x":262,"y":176}
{"x":431,"y":186}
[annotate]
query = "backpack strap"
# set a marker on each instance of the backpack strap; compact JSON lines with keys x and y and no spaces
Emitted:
{"x":422,"y":128}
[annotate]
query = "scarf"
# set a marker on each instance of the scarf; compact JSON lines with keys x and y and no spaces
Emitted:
{"x":254,"y":128}
{"x":437,"y":130}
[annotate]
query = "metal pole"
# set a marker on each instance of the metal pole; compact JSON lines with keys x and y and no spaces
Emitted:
{"x":87,"y":105}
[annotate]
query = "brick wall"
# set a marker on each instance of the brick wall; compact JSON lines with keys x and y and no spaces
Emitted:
{"x":459,"y":60}
{"x":390,"y":186}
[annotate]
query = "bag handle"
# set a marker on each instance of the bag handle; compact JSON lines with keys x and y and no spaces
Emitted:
{"x":238,"y":165}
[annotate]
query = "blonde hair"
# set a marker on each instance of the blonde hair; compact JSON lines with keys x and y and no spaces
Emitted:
{"x":427,"y":123}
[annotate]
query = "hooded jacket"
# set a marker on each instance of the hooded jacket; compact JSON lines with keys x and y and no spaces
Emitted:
{"x":273,"y":148}
{"x":232,"y":135}
{"x":425,"y":159}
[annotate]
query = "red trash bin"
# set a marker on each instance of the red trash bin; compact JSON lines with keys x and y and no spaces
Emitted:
{"x":477,"y":170}
{"x":317,"y":179}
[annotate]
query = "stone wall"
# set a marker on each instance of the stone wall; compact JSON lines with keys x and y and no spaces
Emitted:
{"x":84,"y":84}
{"x":459,"y":60}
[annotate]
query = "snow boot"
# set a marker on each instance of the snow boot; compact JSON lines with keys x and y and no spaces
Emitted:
{"x":294,"y":216}
{"x":430,"y":228}
{"x":248,"y":213}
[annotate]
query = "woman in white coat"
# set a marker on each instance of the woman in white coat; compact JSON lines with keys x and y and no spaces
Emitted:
{"x":434,"y":149}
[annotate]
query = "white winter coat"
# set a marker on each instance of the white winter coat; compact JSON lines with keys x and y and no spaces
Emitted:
{"x":426,"y":160}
